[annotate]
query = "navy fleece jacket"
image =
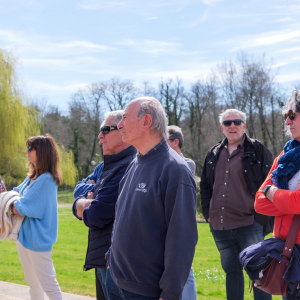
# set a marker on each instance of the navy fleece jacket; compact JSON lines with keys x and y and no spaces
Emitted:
{"x":155,"y":231}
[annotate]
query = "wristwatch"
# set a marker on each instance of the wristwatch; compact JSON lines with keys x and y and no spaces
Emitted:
{"x":265,"y":190}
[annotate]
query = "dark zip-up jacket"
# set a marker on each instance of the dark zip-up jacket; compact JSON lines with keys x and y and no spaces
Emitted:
{"x":100,"y":215}
{"x":257,"y":162}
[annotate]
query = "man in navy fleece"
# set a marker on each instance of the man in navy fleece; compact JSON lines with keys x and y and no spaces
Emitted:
{"x":155,"y":231}
{"x":96,"y":196}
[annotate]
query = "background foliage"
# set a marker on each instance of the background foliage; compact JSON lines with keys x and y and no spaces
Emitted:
{"x":247,"y":83}
{"x":18,"y":121}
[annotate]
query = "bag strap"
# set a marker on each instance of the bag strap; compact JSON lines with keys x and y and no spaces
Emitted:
{"x":291,"y":238}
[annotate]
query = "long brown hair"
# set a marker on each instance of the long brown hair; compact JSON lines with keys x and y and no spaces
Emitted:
{"x":47,"y":157}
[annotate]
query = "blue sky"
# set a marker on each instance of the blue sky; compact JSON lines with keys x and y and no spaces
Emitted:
{"x":64,"y":45}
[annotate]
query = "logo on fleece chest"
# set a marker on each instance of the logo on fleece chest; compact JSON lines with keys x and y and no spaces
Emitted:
{"x":141,"y":188}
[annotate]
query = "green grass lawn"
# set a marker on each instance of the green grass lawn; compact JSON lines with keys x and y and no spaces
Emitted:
{"x":65,"y":196}
{"x":69,"y":255}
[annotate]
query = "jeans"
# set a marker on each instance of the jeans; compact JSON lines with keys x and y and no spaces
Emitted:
{"x":230,"y":243}
{"x":189,"y":291}
{"x":101,"y":275}
{"x":99,"y":290}
{"x":115,"y":293}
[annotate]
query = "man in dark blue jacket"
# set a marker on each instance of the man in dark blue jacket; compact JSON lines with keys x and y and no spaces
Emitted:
{"x":96,"y":195}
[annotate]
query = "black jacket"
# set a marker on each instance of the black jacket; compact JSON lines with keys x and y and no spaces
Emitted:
{"x":257,"y":162}
{"x":100,"y":215}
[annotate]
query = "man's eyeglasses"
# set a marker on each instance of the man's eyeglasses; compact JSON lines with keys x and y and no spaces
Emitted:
{"x":29,"y":149}
{"x":236,"y":122}
{"x":289,"y":114}
{"x":107,"y":129}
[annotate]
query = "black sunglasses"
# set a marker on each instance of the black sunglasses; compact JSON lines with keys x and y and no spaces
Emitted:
{"x":289,"y":114}
{"x":236,"y":122}
{"x":107,"y":129}
{"x":29,"y":148}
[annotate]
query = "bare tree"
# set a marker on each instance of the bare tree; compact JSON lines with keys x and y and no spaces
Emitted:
{"x":87,"y":105}
{"x":148,"y":90}
{"x":201,"y":100}
{"x":171,"y":95}
{"x":249,"y":85}
{"x":118,"y":93}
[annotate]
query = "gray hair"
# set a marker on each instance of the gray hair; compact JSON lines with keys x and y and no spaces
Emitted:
{"x":295,"y":100}
{"x":175,"y":132}
{"x":151,"y":106}
{"x":116,"y":114}
{"x":223,"y":114}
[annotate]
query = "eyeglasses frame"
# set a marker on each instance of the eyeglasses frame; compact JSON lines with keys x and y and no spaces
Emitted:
{"x":291,"y":114}
{"x":234,"y":122}
{"x":111,"y":128}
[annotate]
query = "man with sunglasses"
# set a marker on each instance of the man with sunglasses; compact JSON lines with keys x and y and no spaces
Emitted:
{"x":96,"y":196}
{"x":233,"y":171}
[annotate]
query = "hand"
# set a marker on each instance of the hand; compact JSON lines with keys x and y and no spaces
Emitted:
{"x":90,"y":195}
{"x":297,"y":186}
{"x":90,"y":182}
{"x":15,"y":211}
{"x":81,"y":205}
{"x":208,"y":220}
{"x":107,"y":267}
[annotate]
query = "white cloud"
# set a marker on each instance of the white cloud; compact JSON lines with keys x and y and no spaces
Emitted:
{"x":210,"y":2}
{"x":149,"y":46}
{"x":136,"y":6}
{"x":200,"y":20}
{"x":288,"y":76}
{"x":151,"y":18}
{"x":155,"y":47}
{"x":55,"y":88}
{"x":45,"y":61}
{"x":274,"y":38}
{"x":96,"y":5}
{"x":33,"y":44}
{"x":263,"y":40}
{"x":8,"y":5}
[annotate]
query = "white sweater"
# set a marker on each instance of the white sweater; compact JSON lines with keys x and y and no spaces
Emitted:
{"x":9,"y":223}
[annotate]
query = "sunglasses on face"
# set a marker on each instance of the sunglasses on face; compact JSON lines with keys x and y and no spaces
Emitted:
{"x":289,"y":114}
{"x":236,"y":122}
{"x":107,"y":129}
{"x":29,"y":149}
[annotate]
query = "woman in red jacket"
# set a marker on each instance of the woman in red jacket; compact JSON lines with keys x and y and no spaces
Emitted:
{"x":279,"y":195}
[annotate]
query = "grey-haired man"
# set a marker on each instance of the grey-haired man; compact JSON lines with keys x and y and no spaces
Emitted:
{"x":155,"y":231}
{"x":233,"y":171}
